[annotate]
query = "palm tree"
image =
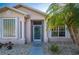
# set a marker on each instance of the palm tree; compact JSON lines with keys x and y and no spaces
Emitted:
{"x":64,"y":14}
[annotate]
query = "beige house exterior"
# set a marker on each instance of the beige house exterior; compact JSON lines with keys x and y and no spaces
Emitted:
{"x":22,"y":24}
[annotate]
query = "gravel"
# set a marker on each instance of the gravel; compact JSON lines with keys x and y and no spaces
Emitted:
{"x":65,"y":49}
{"x":17,"y":50}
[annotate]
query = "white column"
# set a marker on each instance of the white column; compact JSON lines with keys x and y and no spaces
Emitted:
{"x":28,"y":30}
{"x":45,"y":32}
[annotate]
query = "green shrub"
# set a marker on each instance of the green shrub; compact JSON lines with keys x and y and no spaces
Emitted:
{"x":1,"y":45}
{"x":10,"y":45}
{"x":54,"y":48}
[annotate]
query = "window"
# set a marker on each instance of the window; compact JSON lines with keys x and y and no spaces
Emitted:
{"x":62,"y":31}
{"x":59,"y":31}
{"x":55,"y":32}
{"x":8,"y":27}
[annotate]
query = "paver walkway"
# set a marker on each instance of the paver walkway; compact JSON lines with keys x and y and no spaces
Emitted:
{"x":36,"y":49}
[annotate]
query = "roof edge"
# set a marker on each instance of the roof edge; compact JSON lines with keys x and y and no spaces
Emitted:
{"x":33,"y":9}
{"x":14,"y":9}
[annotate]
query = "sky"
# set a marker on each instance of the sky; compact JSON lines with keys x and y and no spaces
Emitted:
{"x":40,"y":6}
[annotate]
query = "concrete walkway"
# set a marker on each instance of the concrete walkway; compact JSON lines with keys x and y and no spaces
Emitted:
{"x":36,"y":49}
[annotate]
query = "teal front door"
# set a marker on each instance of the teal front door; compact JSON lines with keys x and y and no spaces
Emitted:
{"x":37,"y":32}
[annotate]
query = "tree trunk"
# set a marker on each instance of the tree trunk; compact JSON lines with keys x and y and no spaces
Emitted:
{"x":73,"y":37}
{"x":75,"y":30}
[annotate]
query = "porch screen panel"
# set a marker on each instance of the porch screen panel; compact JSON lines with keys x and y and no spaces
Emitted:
{"x":9,"y":28}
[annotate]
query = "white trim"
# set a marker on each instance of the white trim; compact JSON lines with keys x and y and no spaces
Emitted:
{"x":33,"y":9}
{"x":19,"y":11}
{"x":16,"y":10}
{"x":40,"y":33}
{"x":58,"y":34}
{"x":15,"y":28}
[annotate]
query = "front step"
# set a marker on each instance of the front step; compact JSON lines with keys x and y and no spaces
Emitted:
{"x":37,"y":43}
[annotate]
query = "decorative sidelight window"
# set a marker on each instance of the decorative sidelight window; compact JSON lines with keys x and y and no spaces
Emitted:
{"x":8,"y":27}
{"x":20,"y":29}
{"x":58,"y":32}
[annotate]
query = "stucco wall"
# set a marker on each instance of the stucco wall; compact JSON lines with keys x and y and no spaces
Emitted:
{"x":28,"y":30}
{"x":33,"y":15}
{"x":19,"y":17}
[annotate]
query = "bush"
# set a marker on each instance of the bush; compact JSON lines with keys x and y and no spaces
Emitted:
{"x":10,"y":45}
{"x":1,"y":45}
{"x":54,"y":48}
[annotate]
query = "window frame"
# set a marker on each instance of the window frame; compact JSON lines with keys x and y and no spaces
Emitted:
{"x":15,"y":28}
{"x":58,"y":33}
